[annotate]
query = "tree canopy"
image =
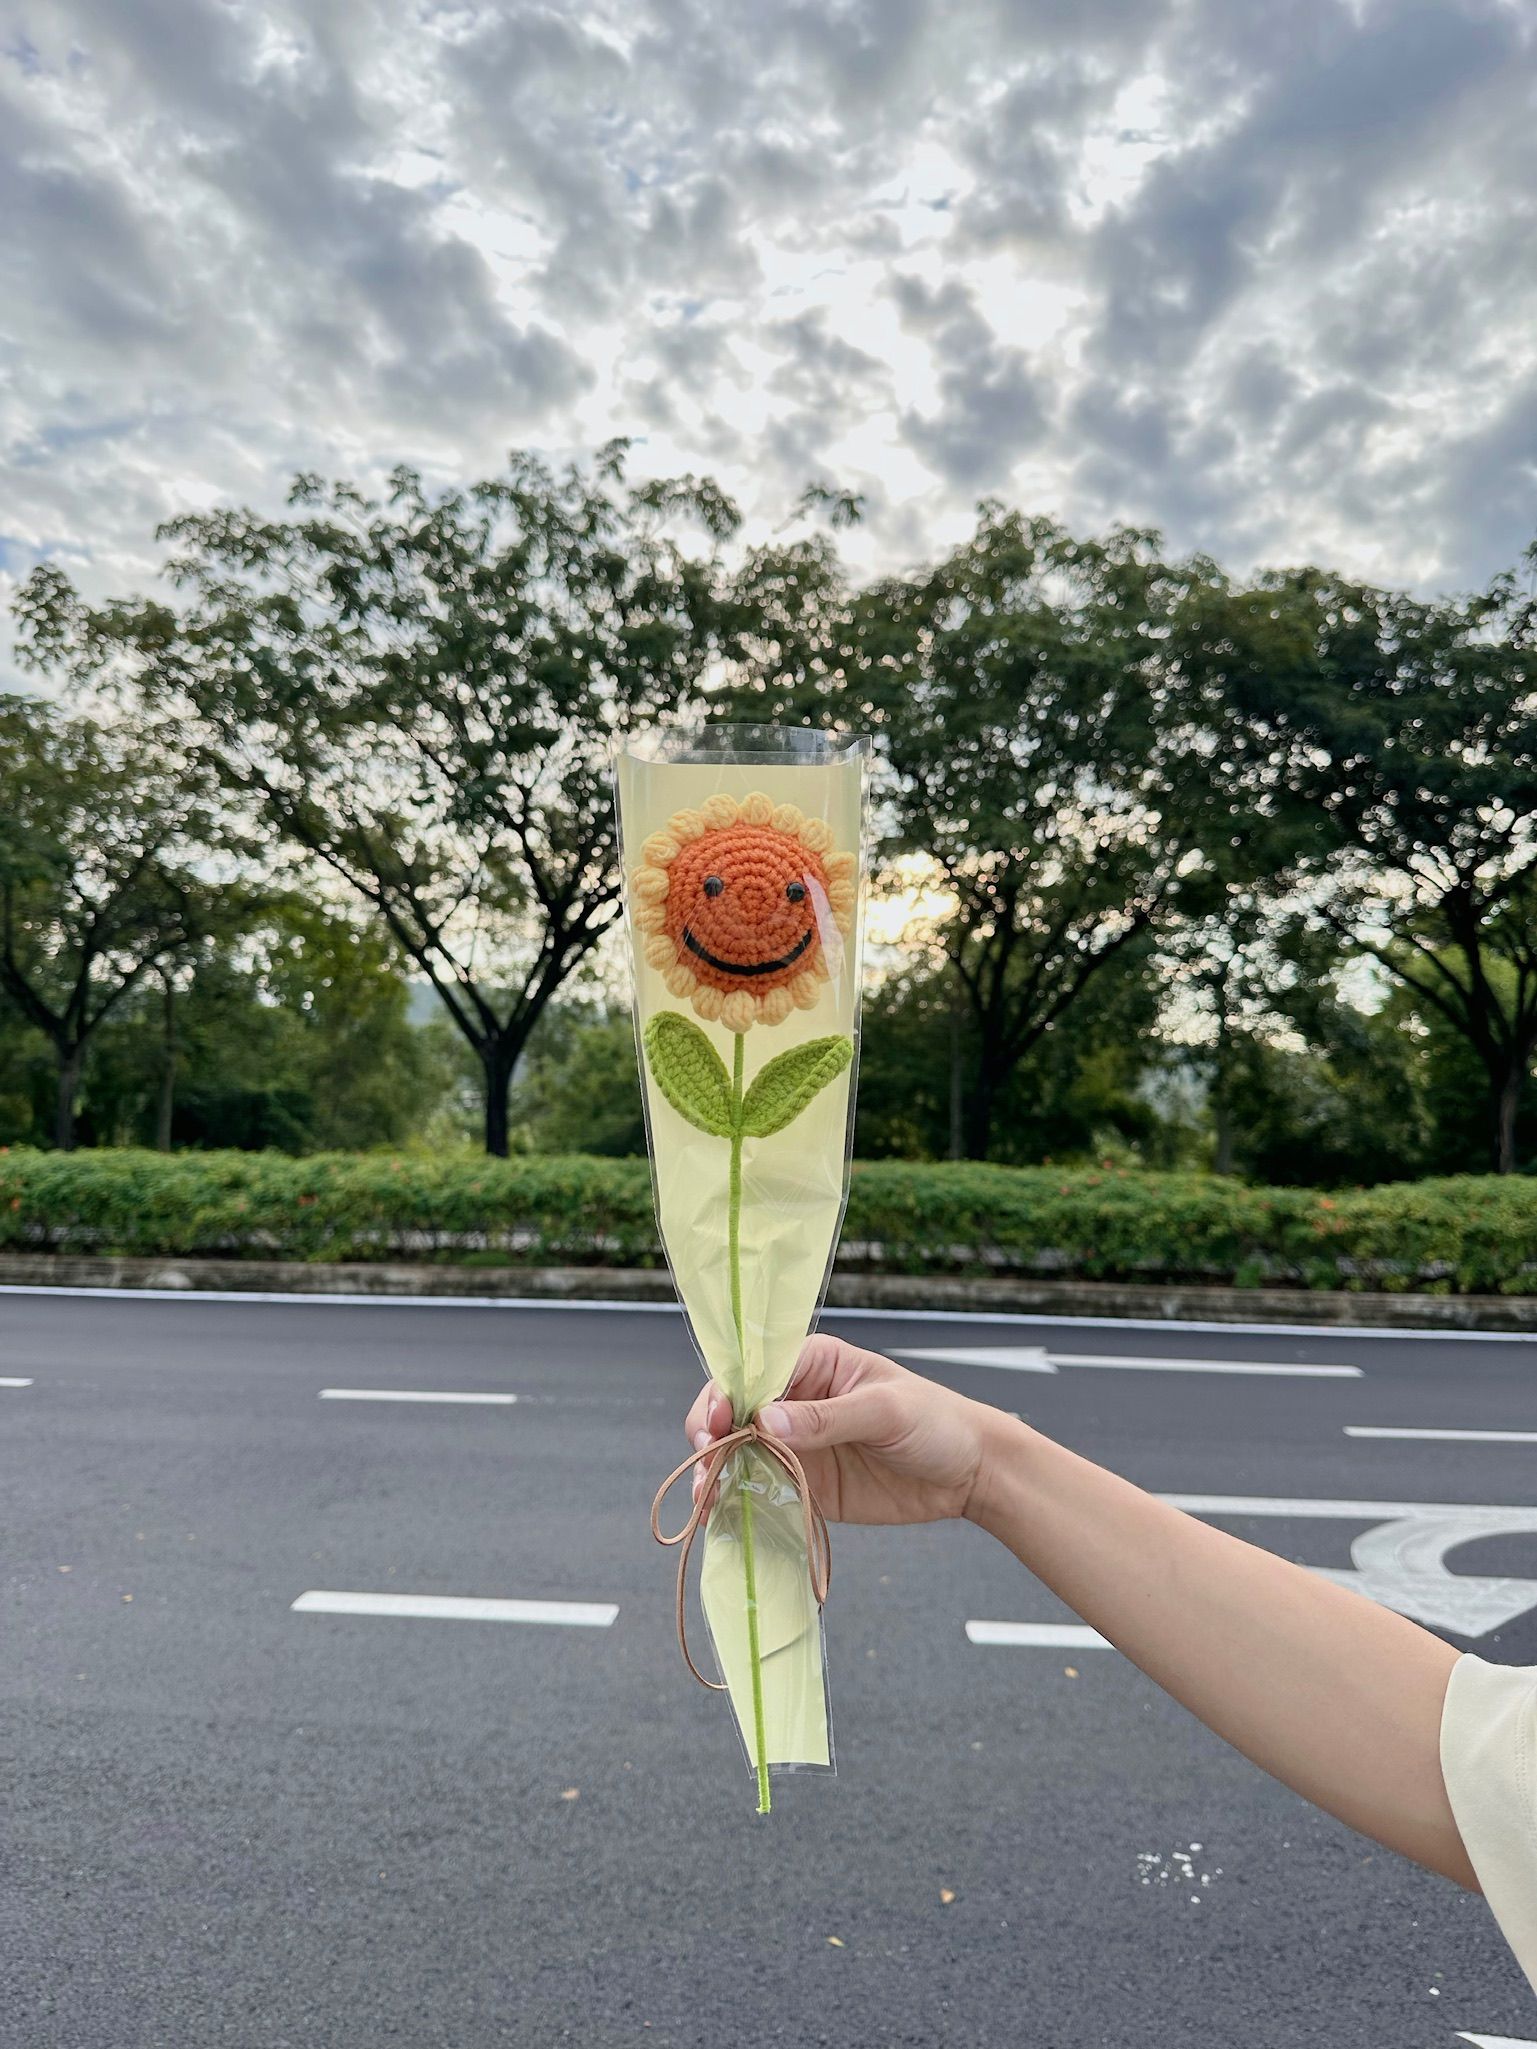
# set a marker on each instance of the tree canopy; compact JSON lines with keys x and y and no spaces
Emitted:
{"x":105,"y":831}
{"x":1387,"y":763}
{"x":419,"y":694}
{"x":1192,"y":860}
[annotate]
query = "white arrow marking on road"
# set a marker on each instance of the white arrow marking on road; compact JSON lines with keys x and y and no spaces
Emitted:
{"x":1402,"y":1565}
{"x":1254,"y":1366}
{"x":1399,"y":1563}
{"x":15,"y":1383}
{"x":453,"y":1608}
{"x":1036,"y":1359}
{"x":1011,"y":1358}
{"x":1061,"y":1636}
{"x":1497,"y":2041}
{"x":1443,"y":1436}
{"x":395,"y":1394}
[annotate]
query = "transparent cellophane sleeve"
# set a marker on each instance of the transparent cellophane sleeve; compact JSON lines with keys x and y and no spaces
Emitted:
{"x":808,"y":788}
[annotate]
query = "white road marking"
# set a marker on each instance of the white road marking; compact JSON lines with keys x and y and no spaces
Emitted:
{"x":1063,"y":1636}
{"x":1285,"y":1369}
{"x":337,"y":1298}
{"x":1403,"y":1565}
{"x":1009,"y":1317}
{"x":1174,"y":1323}
{"x":1011,"y":1359}
{"x":396,"y":1394}
{"x":1036,"y":1359}
{"x":15,"y":1383}
{"x":1498,"y":2041}
{"x":1497,"y":1516}
{"x":455,"y":1608}
{"x":1400,"y":1562}
{"x":1443,"y":1436}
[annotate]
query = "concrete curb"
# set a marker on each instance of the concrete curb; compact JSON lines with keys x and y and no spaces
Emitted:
{"x":1014,"y":1296}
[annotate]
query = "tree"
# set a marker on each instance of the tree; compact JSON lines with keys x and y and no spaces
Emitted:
{"x":1223,"y":977}
{"x":1018,"y":695}
{"x":579,"y":1091}
{"x":1076,"y":1091}
{"x":101,"y":836}
{"x":28,"y":1079}
{"x":1451,"y":1089}
{"x":294,"y":1034}
{"x":1391,"y":761}
{"x":420,"y":695}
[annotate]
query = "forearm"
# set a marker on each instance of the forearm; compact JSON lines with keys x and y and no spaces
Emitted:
{"x":1336,"y":1697}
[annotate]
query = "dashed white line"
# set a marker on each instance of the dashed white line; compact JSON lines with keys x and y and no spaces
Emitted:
{"x":1061,"y":1636}
{"x":1442,"y":1436}
{"x":1498,"y":2041}
{"x":457,"y":1608}
{"x":15,"y":1383}
{"x":1036,"y":1359}
{"x":398,"y":1394}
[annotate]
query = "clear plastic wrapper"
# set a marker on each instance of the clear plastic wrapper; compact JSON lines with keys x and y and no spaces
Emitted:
{"x":743,"y":850}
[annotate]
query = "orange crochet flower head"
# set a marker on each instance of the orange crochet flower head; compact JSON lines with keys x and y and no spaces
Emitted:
{"x":738,"y":903}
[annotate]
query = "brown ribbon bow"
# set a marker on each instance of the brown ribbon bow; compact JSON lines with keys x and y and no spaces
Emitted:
{"x":713,"y":1456}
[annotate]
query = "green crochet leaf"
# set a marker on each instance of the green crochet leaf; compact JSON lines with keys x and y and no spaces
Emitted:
{"x":689,"y":1072}
{"x":781,"y":1090}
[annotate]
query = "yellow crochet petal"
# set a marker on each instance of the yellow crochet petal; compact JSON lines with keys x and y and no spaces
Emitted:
{"x":739,"y":1011}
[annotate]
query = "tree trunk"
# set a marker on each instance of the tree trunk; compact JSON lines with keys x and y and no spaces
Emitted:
{"x":70,"y":1064}
{"x":1222,"y":1157}
{"x":957,"y":1080}
{"x":167,"y":1098}
{"x":497,"y":1063}
{"x":980,"y":1108}
{"x":1507,"y":1101}
{"x":1221,"y":1101}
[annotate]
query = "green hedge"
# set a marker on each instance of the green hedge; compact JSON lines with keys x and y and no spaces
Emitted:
{"x":1469,"y":1235}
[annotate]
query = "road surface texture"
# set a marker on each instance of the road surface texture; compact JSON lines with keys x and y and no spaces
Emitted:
{"x":230,"y":1821}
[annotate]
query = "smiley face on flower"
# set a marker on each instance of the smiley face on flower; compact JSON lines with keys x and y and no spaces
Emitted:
{"x":739,"y":904}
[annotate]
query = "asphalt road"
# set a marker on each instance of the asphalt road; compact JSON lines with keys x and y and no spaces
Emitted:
{"x":225,"y":1822}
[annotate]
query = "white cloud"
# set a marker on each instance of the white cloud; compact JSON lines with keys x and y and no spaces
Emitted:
{"x":1259,"y":276}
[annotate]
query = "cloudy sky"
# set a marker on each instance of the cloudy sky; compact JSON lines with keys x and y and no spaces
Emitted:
{"x":1264,"y":275}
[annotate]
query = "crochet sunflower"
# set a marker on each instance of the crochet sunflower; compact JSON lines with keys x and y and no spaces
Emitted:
{"x":738,"y":904}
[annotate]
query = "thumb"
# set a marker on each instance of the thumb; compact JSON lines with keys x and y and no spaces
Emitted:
{"x":861,"y":1416}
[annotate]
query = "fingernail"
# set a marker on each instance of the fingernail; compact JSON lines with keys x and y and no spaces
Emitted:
{"x":776,"y":1419}
{"x":701,"y":1439}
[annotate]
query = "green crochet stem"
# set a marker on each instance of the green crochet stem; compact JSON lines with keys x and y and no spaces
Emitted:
{"x":749,"y":1566}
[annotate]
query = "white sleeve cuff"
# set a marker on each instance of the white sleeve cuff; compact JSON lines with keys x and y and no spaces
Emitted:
{"x":1489,"y":1763}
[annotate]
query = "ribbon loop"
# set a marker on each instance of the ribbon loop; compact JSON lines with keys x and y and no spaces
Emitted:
{"x":712,"y":1457}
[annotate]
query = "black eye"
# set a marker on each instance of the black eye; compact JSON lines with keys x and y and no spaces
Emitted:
{"x":796,"y":892}
{"x":713,"y":885}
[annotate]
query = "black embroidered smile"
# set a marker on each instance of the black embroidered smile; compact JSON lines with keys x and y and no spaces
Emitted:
{"x":749,"y":967}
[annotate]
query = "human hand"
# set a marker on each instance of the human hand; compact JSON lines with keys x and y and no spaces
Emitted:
{"x":879,"y":1444}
